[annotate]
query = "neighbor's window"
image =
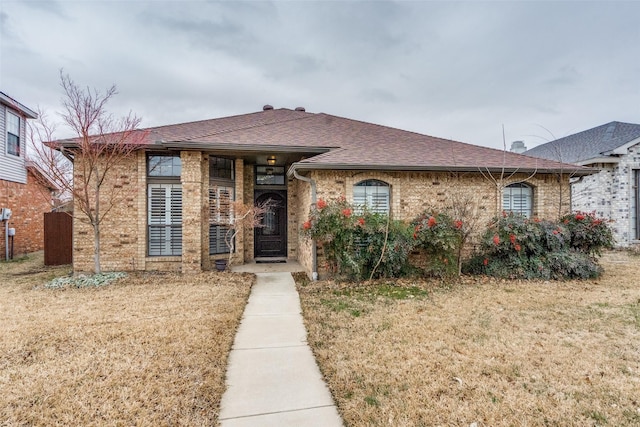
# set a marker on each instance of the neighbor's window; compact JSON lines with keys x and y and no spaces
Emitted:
{"x":164,"y":197}
{"x":13,"y":134}
{"x":518,"y":198}
{"x":373,"y":195}
{"x":221,"y":194}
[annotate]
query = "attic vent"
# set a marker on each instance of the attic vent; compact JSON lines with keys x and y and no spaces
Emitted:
{"x":267,"y":107}
{"x":300,"y":109}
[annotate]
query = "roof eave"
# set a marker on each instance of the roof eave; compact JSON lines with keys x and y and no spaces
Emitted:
{"x":578,"y":171}
{"x":28,"y":112}
{"x":603,"y":159}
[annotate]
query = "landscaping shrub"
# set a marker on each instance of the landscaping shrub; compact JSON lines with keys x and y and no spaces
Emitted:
{"x":589,"y":234}
{"x":516,"y":247}
{"x":353,"y":240}
{"x":439,"y":237}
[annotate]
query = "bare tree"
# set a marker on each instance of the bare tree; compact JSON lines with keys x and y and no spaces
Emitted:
{"x":102,"y":143}
{"x":558,"y":153}
{"x":465,"y":209}
{"x":504,"y":178}
{"x":236,"y":216}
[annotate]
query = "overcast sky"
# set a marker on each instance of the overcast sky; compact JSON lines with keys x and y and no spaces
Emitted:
{"x":458,"y":70}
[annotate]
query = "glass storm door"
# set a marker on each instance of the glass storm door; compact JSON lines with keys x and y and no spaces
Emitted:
{"x":271,"y":237}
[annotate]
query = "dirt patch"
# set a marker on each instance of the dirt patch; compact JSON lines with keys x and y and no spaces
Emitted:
{"x":150,"y":348}
{"x":493,"y":352}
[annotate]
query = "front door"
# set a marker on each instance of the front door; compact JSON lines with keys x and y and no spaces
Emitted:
{"x":271,"y":236}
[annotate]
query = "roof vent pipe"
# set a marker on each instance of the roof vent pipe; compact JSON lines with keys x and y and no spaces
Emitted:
{"x":267,"y":107}
{"x":300,"y":109}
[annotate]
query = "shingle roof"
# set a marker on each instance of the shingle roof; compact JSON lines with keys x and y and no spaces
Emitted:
{"x":344,"y":143}
{"x":590,"y":144}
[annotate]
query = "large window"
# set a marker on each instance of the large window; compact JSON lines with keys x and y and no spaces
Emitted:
{"x":518,"y":198}
{"x":164,"y":196}
{"x":372,"y":195}
{"x":221,"y":194}
{"x":13,"y":134}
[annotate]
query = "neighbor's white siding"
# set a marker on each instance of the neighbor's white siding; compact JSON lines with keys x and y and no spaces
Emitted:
{"x":12,"y":168}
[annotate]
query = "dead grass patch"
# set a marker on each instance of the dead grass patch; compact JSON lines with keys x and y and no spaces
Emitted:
{"x":493,"y":352}
{"x":148,"y":350}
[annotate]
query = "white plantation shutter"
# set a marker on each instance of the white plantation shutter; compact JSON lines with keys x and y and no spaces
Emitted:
{"x":165,"y":219}
{"x":220,"y":213}
{"x":518,"y":198}
{"x":373,"y":195}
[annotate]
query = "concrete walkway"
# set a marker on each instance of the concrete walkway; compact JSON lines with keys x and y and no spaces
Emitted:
{"x":272,"y":376}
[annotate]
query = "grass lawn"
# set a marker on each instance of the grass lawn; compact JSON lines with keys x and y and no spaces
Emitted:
{"x":484,"y":351}
{"x":147,"y":350}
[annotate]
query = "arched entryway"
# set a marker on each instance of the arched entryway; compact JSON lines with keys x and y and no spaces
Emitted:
{"x":271,"y":238}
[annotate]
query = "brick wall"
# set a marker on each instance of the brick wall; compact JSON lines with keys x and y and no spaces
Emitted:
{"x":414,"y":192}
{"x":28,"y":203}
{"x":611,"y":194}
{"x":119,"y":238}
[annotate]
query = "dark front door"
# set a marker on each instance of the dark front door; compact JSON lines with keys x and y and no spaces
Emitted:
{"x":271,"y":237}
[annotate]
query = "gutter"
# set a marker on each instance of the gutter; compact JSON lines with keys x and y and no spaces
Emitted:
{"x":314,"y":250}
{"x":576,"y":171}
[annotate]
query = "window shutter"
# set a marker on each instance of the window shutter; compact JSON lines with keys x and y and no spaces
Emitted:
{"x":518,"y":198}
{"x":373,"y":195}
{"x":165,"y":219}
{"x":220,"y":213}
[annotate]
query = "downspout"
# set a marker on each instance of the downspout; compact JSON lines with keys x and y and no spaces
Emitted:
{"x":314,"y":259}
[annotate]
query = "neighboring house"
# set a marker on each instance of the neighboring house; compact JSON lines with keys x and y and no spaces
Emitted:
{"x":185,"y":175}
{"x":23,"y":187}
{"x":614,"y":192}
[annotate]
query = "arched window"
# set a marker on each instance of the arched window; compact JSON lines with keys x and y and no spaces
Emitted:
{"x":373,"y":195}
{"x":518,"y":198}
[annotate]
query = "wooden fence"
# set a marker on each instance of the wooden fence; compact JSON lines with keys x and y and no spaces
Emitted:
{"x":58,"y":238}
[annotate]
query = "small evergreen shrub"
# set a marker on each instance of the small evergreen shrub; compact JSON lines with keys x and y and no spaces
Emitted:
{"x":353,"y":240}
{"x":439,"y":237}
{"x":589,"y":234}
{"x":516,"y":247}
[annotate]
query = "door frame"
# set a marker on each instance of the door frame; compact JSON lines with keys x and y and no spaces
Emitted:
{"x":284,"y":227}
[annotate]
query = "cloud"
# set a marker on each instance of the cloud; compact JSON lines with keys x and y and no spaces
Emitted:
{"x":453,"y":69}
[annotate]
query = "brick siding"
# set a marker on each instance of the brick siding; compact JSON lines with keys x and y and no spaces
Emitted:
{"x":124,"y":229}
{"x":28,"y":203}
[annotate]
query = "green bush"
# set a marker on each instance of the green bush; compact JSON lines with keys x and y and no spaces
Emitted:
{"x":353,"y":240}
{"x":589,"y":234}
{"x":439,"y":237}
{"x":516,"y":247}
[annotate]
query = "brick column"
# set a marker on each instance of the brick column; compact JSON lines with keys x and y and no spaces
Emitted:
{"x":240,"y":241}
{"x":192,"y":210}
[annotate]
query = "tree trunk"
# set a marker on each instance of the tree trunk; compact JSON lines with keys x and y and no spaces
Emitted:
{"x":96,"y":228}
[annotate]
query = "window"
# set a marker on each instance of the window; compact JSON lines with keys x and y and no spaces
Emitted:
{"x":221,"y":194}
{"x":220,"y":213}
{"x":13,"y":134}
{"x":518,"y":198}
{"x":373,"y":195}
{"x":270,"y":175}
{"x":169,"y":166}
{"x":220,"y":168}
{"x":164,"y":197}
{"x":165,"y":219}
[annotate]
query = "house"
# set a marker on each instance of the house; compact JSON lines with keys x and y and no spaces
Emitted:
{"x":614,"y":192}
{"x":184,"y":173}
{"x":24,"y":188}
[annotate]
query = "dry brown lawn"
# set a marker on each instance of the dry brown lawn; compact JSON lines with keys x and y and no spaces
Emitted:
{"x":148,"y":350}
{"x":494,"y":353}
